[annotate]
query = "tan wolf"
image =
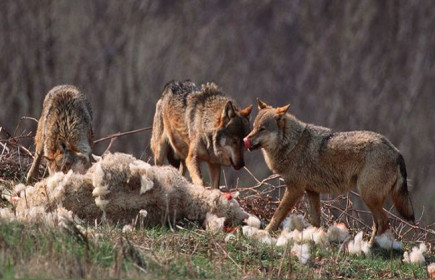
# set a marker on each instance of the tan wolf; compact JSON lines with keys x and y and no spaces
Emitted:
{"x":199,"y":124}
{"x":314,"y":160}
{"x":64,"y":136}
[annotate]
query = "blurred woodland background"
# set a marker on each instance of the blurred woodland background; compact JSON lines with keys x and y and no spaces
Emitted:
{"x":348,"y":65}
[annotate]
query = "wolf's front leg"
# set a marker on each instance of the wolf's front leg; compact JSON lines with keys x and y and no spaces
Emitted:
{"x":314,"y":201}
{"x":291,"y":196}
{"x":215,"y":170}
{"x":192,"y":164}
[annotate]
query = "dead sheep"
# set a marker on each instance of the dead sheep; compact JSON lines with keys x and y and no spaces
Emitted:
{"x":120,"y":189}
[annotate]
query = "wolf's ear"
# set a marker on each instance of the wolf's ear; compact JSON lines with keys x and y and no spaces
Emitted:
{"x":247,"y":111}
{"x":261,"y":104}
{"x":228,"y":113}
{"x":282,"y":110}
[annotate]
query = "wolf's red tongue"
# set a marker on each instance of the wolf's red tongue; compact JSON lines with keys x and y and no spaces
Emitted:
{"x":247,"y":142}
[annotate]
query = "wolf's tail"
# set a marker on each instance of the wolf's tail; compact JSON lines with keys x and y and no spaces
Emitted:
{"x":401,"y":197}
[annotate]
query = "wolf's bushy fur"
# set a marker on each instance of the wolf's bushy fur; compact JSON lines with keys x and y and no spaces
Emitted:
{"x":119,"y":186}
{"x":64,"y":136}
{"x":316,"y":160}
{"x":195,"y":124}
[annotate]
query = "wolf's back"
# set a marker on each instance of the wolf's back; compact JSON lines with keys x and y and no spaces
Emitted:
{"x":67,"y":114}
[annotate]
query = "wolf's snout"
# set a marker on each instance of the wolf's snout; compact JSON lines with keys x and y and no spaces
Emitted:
{"x":247,"y":142}
{"x":239,"y":164}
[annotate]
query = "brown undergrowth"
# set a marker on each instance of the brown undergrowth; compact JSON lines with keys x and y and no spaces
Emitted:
{"x":261,"y":199}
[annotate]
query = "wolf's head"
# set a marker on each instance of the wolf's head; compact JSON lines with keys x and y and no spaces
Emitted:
{"x":268,"y":125}
{"x":67,"y":157}
{"x":233,"y":125}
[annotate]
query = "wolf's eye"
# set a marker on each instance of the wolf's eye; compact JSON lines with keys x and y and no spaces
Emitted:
{"x":261,"y":128}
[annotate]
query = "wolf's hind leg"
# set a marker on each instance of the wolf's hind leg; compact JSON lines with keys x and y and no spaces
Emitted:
{"x":160,"y":152}
{"x":314,"y":201}
{"x":291,"y":196}
{"x":380,"y":219}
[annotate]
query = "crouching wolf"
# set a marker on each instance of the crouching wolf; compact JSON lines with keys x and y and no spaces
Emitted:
{"x":315,"y":160}
{"x":64,"y":136}
{"x":194,"y":124}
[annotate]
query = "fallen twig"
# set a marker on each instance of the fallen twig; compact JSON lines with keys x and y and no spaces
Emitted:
{"x":116,"y":135}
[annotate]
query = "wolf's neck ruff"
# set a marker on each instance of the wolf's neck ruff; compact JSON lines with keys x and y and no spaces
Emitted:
{"x":289,"y":147}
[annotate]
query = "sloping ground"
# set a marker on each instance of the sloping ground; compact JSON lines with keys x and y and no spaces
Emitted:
{"x":188,"y":251}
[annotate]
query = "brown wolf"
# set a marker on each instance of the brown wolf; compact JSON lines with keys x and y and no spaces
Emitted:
{"x":64,"y":136}
{"x":315,"y":160}
{"x":194,"y":124}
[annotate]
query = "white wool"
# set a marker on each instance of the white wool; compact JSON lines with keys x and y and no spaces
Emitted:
{"x":57,"y":189}
{"x":143,"y":213}
{"x":9,"y":195}
{"x":263,"y":236}
{"x":358,"y":246}
{"x":416,"y":255}
{"x":253,"y":221}
{"x":406,"y":257}
{"x":214,"y":223}
{"x":54,"y":180}
{"x":66,"y":214}
{"x":302,"y":252}
{"x":295,"y":222}
{"x":286,"y":236}
{"x":100,"y":191}
{"x":229,"y":237}
{"x":431,"y":270}
{"x":249,"y":231}
{"x":30,"y":190}
{"x":422,"y":247}
{"x":35,"y":214}
{"x":101,"y":203}
{"x":282,"y":240}
{"x":319,"y":236}
{"x":7,"y":214}
{"x":142,"y":168}
{"x":127,"y":229}
{"x":296,"y":235}
{"x":139,"y":165}
{"x":337,"y":233}
{"x":145,"y":184}
{"x":387,"y":241}
{"x":19,"y":188}
{"x":97,"y":175}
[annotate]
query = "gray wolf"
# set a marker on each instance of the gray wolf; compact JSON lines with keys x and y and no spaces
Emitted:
{"x":199,"y":124}
{"x":314,"y":160}
{"x":64,"y":136}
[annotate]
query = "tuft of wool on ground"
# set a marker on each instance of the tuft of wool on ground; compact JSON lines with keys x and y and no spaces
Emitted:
{"x":416,"y":255}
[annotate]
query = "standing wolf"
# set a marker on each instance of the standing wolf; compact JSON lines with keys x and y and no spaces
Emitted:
{"x":64,"y":136}
{"x":194,"y":124}
{"x":315,"y":160}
